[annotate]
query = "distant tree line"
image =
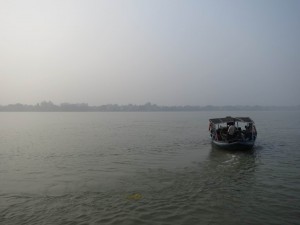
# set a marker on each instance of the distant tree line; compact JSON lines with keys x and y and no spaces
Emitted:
{"x":48,"y":106}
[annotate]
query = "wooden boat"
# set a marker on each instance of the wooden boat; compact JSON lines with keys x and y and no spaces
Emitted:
{"x":234,"y":133}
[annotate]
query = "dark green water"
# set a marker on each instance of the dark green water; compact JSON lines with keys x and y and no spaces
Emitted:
{"x":146,"y":168}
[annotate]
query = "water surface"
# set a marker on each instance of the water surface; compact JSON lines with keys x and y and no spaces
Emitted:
{"x":145,"y":168}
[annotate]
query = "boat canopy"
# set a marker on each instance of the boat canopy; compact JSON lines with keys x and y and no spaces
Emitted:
{"x":231,"y":119}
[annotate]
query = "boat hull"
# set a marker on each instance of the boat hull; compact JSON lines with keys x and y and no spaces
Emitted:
{"x":236,"y":145}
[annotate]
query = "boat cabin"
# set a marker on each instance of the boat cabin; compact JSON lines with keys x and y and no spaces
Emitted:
{"x":232,"y":129}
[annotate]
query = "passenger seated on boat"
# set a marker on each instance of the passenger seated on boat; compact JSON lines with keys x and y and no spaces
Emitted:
{"x":239,"y":133}
{"x":223,"y":133}
{"x":254,"y":130}
{"x":218,"y":136}
{"x":231,"y":131}
{"x":248,"y":132}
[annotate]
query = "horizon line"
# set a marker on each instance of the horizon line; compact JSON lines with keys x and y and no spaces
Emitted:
{"x":146,"y":103}
{"x":48,"y":106}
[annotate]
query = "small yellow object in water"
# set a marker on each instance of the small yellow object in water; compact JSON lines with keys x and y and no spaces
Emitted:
{"x":135,"y":196}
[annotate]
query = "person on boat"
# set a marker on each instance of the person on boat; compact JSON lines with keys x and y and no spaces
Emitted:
{"x":231,"y":131}
{"x":250,"y":130}
{"x":239,"y":133}
{"x":211,"y":128}
{"x":218,"y":135}
{"x":254,"y":130}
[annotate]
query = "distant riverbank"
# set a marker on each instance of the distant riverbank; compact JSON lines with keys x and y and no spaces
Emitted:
{"x":48,"y":106}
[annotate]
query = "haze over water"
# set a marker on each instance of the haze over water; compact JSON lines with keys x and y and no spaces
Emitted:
{"x":168,"y":52}
{"x":145,"y":168}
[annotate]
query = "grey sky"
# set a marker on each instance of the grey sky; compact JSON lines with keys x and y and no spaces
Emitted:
{"x":167,"y":52}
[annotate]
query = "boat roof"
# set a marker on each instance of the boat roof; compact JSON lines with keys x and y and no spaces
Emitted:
{"x":231,"y":119}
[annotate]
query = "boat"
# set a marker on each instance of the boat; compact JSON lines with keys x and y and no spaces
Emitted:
{"x":233,"y":133}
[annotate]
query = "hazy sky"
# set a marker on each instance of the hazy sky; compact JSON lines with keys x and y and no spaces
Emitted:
{"x":135,"y":51}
